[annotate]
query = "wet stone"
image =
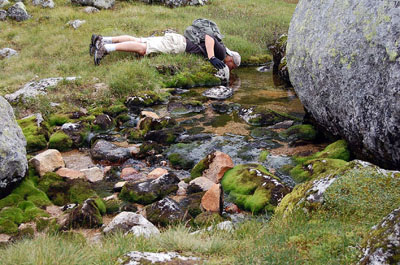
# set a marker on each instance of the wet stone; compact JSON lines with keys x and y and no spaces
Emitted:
{"x":181,"y":108}
{"x":109,"y":152}
{"x":219,"y":93}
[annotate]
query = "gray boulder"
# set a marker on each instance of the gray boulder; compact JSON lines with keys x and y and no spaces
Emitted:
{"x":176,"y":3}
{"x":3,"y":3}
{"x":109,"y":152}
{"x":35,"y":88}
{"x":3,"y":15}
{"x":129,"y":222}
{"x":44,"y":3}
{"x":18,"y":12}
{"x":383,"y":243}
{"x":343,"y":61}
{"x":7,"y":52}
{"x":101,"y":4}
{"x":13,"y":162}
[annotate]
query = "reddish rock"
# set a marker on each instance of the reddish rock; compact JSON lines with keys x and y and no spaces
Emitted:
{"x":70,"y":173}
{"x":232,"y":208}
{"x":200,"y":184}
{"x":128,"y":172}
{"x":156,"y":173}
{"x":48,"y":161}
{"x":212,"y":199}
{"x":217,"y":168}
{"x":93,"y":174}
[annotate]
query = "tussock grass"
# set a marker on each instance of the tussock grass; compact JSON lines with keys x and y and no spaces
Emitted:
{"x":49,"y":48}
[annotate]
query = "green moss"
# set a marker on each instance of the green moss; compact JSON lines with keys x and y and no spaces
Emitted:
{"x":79,"y":191}
{"x":300,"y":132}
{"x":178,"y":161}
{"x":100,"y":205}
{"x":207,"y":218}
{"x":115,"y":110}
{"x":258,"y":59}
{"x":263,"y":156}
{"x":36,"y":138}
{"x":58,"y":119}
{"x":249,"y":190}
{"x":28,"y":191}
{"x":198,"y":169}
{"x":47,"y":180}
{"x":314,"y":168}
{"x":10,"y":200}
{"x":7,"y":226}
{"x":337,"y":150}
{"x":188,"y":80}
{"x":13,"y":214}
{"x":60,"y":141}
{"x":113,"y":206}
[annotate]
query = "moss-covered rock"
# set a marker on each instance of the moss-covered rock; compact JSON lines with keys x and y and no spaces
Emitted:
{"x":189,"y":80}
{"x":86,"y":215}
{"x":253,"y":188}
{"x":141,"y":100}
{"x":207,"y":218}
{"x":58,"y":119}
{"x":198,"y":169}
{"x":116,"y":110}
{"x":149,"y":191}
{"x":383,"y":242}
{"x":36,"y":136}
{"x":113,"y":206}
{"x":180,"y":162}
{"x":60,"y":141}
{"x":357,"y":190}
{"x":333,"y":156}
{"x":305,"y":132}
{"x":165,"y":212}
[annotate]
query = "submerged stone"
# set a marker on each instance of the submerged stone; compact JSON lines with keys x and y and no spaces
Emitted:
{"x":219,"y":93}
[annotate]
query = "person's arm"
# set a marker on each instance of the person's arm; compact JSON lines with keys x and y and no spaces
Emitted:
{"x":210,"y":42}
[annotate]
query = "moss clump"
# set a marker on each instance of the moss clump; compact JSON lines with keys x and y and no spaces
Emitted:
{"x":58,"y":119}
{"x":253,"y":188}
{"x":207,"y":218}
{"x":180,"y":162}
{"x":36,"y":137}
{"x":79,"y":191}
{"x":198,"y":169}
{"x":304,"y":132}
{"x":28,"y":191}
{"x":60,"y":141}
{"x":116,"y":110}
{"x":13,"y":214}
{"x":113,"y":206}
{"x":189,"y":80}
{"x":263,"y":156}
{"x":258,"y":59}
{"x":100,"y":205}
{"x":8,"y":227}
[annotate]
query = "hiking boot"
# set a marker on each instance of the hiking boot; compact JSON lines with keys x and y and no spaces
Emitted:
{"x":99,"y":54}
{"x":93,"y":42}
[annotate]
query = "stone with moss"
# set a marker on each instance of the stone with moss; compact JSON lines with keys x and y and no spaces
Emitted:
{"x":165,"y":212}
{"x":36,"y":133}
{"x":304,"y":132}
{"x":113,"y":206}
{"x":199,"y":168}
{"x":142,"y":100}
{"x":357,"y":190}
{"x":383,"y":241}
{"x":86,"y":215}
{"x":263,"y":117}
{"x":58,"y":119}
{"x":149,"y":191}
{"x":258,"y":59}
{"x":180,"y":162}
{"x":60,"y":141}
{"x":188,"y":80}
{"x":116,"y":110}
{"x":206,"y":219}
{"x":253,"y":188}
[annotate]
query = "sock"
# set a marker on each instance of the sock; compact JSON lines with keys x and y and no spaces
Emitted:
{"x":107,"y":40}
{"x":110,"y":47}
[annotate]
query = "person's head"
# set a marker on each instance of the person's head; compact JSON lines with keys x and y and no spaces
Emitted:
{"x":232,"y":59}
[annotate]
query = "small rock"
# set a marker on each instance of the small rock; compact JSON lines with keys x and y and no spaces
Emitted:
{"x":7,"y":52}
{"x":35,"y":88}
{"x":104,"y":121}
{"x":86,"y":215}
{"x":3,"y":15}
{"x":109,"y":152}
{"x":48,"y":161}
{"x":119,"y":185}
{"x":149,"y":114}
{"x":18,"y":12}
{"x":4,"y":239}
{"x":93,"y":174}
{"x":129,"y":222}
{"x":43,"y":3}
{"x":212,"y":199}
{"x":136,"y":257}
{"x":90,"y":10}
{"x":70,"y":173}
{"x":200,"y":184}
{"x":165,"y":212}
{"x":134,"y":149}
{"x":128,"y":172}
{"x":76,"y":23}
{"x":156,"y":173}
{"x":282,"y":125}
{"x":232,"y":208}
{"x":3,"y":3}
{"x":223,"y":226}
{"x":182,"y":188}
{"x":219,"y":93}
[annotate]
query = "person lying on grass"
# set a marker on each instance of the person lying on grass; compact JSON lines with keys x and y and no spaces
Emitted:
{"x":212,"y":49}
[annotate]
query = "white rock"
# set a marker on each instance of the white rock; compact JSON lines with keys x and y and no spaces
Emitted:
{"x":129,"y":222}
{"x":204,"y":183}
{"x":90,"y":10}
{"x":154,"y":258}
{"x":93,"y":174}
{"x":7,"y":53}
{"x":76,"y":23}
{"x":48,"y":161}
{"x":43,"y":3}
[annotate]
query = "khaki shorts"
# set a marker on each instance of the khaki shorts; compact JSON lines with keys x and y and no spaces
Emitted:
{"x":169,"y":43}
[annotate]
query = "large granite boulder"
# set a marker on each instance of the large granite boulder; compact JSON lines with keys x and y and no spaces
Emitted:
{"x":343,"y":60}
{"x":13,"y":162}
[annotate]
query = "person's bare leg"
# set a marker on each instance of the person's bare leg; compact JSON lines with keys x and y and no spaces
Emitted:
{"x":132,"y":46}
{"x":124,"y":38}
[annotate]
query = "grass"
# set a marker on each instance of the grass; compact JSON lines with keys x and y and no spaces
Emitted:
{"x":49,"y":48}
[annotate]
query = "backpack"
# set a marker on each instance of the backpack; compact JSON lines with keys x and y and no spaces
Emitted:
{"x":199,"y":28}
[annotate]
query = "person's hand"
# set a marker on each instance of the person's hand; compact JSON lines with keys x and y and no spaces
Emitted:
{"x":217,"y":63}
